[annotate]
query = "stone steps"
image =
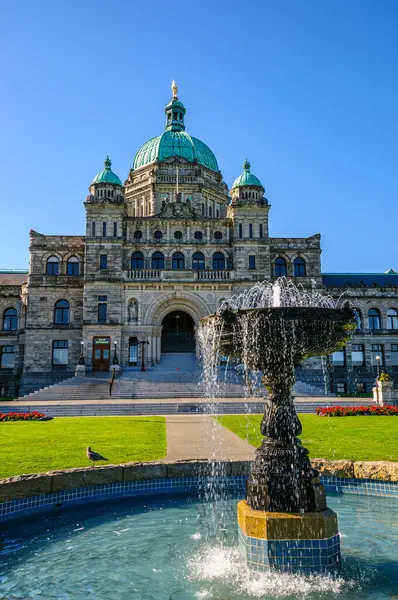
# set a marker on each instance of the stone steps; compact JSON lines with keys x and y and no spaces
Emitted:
{"x":55,"y":409}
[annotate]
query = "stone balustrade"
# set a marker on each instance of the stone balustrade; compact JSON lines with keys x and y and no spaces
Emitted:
{"x":178,"y":274}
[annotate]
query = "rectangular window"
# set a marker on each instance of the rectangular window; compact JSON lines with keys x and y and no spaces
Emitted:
{"x":394,"y":355}
{"x":240,"y":231}
{"x":115,"y":229}
{"x":261,"y":233}
{"x":93,"y":229}
{"x":361,"y":388}
{"x":377,"y":350}
{"x":102,"y":298}
{"x":60,"y":352}
{"x":357,"y":355}
{"x":251,"y":231}
{"x":104,"y":229}
{"x":102,"y":312}
{"x":341,"y":387}
{"x":252,"y":262}
{"x":7,"y":357}
{"x":103,"y":261}
{"x":338,"y":358}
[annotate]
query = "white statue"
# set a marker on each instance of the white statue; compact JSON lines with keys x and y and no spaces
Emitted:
{"x":133,"y":310}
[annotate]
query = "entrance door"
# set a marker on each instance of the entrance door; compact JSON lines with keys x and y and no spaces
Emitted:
{"x":178,"y":332}
{"x":101,"y":353}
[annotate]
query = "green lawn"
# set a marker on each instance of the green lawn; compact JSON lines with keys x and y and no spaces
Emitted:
{"x":33,"y":447}
{"x":355,"y":438}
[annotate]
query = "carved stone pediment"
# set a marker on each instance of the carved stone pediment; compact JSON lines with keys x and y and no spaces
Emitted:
{"x":178,"y":210}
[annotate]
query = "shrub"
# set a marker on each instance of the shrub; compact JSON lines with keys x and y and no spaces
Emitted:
{"x":16,"y":416}
{"x":353,"y":411}
{"x":384,"y":377}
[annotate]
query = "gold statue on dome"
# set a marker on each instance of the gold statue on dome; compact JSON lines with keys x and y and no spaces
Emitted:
{"x":174,"y":89}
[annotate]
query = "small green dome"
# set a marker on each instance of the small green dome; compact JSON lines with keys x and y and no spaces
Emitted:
{"x":175,"y":143}
{"x":247,"y":178}
{"x":107,"y":176}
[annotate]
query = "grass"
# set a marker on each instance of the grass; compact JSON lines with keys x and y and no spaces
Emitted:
{"x":355,"y":438}
{"x":34,"y":447}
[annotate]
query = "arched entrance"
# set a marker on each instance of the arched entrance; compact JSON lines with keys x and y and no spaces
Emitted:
{"x":178,"y":332}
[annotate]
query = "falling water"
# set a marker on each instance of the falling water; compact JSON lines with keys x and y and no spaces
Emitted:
{"x":209,"y":341}
{"x":283,"y":292}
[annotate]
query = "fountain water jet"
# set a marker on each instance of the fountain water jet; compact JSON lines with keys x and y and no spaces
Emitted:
{"x":273,"y":328}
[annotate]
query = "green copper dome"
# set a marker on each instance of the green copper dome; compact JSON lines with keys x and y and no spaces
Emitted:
{"x":175,"y":141}
{"x":247,"y":178}
{"x":107,"y":176}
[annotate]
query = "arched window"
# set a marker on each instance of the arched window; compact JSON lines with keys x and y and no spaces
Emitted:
{"x":203,"y":209}
{"x":299,"y":267}
{"x":52,"y":266}
{"x":218,"y":261}
{"x":280,"y":267}
{"x":10,"y":319}
{"x":73,"y":266}
{"x":178,"y":261}
{"x":374,"y":319}
{"x":137,"y":260}
{"x":198,"y":261}
{"x":358,"y":317}
{"x":210,"y":211}
{"x":61,"y":312}
{"x":392,"y":318}
{"x":157,"y":260}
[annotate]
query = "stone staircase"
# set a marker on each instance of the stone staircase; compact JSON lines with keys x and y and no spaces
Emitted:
{"x":177,"y":376}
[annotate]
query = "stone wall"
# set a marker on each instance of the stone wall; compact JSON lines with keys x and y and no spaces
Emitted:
{"x":24,"y":486}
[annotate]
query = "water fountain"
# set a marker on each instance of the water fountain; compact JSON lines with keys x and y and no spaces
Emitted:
{"x":284,"y":521}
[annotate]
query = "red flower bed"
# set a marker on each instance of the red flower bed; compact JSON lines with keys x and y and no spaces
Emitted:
{"x":353,"y":411}
{"x":16,"y":416}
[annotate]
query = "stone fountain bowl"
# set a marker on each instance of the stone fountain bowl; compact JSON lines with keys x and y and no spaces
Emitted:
{"x":306,"y":331}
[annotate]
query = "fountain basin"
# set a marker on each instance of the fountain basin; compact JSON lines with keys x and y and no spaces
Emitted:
{"x":309,"y":331}
{"x":162,"y":548}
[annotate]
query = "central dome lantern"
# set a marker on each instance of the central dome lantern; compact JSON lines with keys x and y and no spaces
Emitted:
{"x":175,"y":141}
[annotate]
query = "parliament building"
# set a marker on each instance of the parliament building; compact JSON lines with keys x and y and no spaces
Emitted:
{"x":162,"y":250}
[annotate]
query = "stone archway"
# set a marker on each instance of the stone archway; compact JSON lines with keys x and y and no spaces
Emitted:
{"x":178,"y":332}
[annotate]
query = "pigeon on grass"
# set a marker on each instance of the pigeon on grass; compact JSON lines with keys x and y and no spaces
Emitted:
{"x":94,"y":456}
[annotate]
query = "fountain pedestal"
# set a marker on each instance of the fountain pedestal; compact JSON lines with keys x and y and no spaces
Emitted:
{"x":284,"y":522}
{"x":307,"y":542}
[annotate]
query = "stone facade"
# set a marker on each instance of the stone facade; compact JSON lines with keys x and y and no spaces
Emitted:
{"x":171,"y":239}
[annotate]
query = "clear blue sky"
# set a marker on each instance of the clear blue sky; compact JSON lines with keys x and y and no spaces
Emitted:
{"x":306,"y":89}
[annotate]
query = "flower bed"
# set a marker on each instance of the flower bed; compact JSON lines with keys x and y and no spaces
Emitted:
{"x":353,"y":411}
{"x":28,"y":416}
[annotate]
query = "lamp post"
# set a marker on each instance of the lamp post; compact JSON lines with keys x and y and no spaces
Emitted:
{"x":378,"y":359}
{"x":81,"y":358}
{"x":115,"y":360}
{"x":143,"y":355}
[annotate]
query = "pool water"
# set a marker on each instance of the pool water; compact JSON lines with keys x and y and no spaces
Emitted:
{"x":183,"y":549}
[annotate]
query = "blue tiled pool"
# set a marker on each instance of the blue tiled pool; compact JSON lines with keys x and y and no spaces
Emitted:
{"x":176,"y":547}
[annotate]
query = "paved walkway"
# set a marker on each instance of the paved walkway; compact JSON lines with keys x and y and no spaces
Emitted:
{"x":201,"y":436}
